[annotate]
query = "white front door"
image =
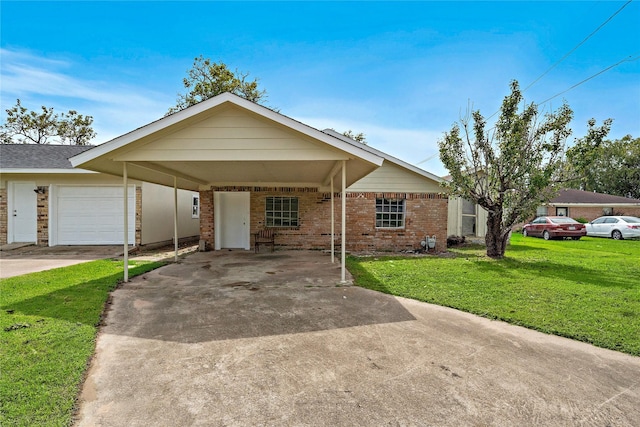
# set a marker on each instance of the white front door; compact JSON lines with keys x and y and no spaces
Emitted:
{"x":23,"y":212}
{"x":231,"y":213}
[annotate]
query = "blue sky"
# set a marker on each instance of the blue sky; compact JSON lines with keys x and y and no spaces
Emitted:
{"x":401,"y":73}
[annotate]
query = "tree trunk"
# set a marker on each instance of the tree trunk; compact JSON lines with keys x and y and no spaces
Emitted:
{"x":496,"y":238}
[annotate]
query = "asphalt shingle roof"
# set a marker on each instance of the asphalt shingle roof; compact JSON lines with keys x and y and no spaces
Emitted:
{"x":39,"y":156}
{"x":579,"y":196}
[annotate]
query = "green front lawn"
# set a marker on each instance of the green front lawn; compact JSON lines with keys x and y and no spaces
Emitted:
{"x":588,"y":290}
{"x":48,"y":326}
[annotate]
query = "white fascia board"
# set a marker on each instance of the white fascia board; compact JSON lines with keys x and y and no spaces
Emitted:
{"x":146,"y":130}
{"x":46,"y":171}
{"x":196,"y":109}
{"x":386,"y":156}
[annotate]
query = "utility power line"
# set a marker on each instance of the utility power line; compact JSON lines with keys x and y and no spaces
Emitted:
{"x":577,"y":46}
{"x":630,"y":58}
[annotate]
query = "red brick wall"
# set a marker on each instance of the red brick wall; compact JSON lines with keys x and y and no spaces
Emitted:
{"x":206,"y":217}
{"x":591,"y":213}
{"x":42,"y":224}
{"x":425,"y":214}
{"x":138,"y":232}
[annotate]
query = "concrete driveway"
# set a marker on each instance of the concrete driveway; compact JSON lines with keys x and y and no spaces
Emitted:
{"x":30,"y":259}
{"x":233,"y":338}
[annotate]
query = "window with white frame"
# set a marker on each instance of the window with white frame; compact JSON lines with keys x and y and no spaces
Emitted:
{"x":281,"y":212}
{"x":390,"y":213}
{"x":195,"y":206}
{"x":541,"y":211}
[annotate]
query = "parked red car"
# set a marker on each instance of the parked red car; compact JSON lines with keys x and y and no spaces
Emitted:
{"x":551,"y":227}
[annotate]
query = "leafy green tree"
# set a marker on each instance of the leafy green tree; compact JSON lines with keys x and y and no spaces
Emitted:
{"x":31,"y":127}
{"x":207,"y":79}
{"x":360,"y":137}
{"x":612,"y":167}
{"x":509,"y":169}
{"x":75,"y":128}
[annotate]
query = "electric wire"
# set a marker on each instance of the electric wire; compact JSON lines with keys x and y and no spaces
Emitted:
{"x":577,"y":46}
{"x":630,"y":58}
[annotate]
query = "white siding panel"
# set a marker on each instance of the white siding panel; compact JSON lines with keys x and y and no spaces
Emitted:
{"x":232,"y":134}
{"x":92,"y":215}
{"x":392,"y":178}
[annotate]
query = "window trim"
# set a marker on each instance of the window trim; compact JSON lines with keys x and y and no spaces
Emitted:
{"x":400,"y":215}
{"x":195,"y":206}
{"x":273,"y":216}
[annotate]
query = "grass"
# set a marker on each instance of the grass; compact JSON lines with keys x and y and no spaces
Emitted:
{"x":587,"y":290}
{"x":48,"y":326}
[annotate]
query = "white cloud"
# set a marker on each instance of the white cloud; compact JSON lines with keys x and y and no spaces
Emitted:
{"x":116,"y":108}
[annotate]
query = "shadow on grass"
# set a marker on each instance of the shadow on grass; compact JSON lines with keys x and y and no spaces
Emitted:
{"x":558,"y":271}
{"x":81,"y":303}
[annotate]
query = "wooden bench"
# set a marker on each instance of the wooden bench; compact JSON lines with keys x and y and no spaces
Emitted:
{"x":264,"y":237}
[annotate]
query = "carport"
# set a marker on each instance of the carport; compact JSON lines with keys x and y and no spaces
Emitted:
{"x":229,"y":142}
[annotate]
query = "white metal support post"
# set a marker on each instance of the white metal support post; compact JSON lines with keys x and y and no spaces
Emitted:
{"x":343,"y":274}
{"x":333,"y":226}
{"x":175,"y":217}
{"x":126,"y":221}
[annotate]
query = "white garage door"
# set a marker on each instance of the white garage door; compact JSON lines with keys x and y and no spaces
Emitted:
{"x":92,"y":215}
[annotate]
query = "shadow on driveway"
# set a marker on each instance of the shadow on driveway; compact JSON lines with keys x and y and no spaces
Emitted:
{"x":236,"y":294}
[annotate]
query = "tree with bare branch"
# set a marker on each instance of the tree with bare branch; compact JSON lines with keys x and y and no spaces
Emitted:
{"x":512,"y":168}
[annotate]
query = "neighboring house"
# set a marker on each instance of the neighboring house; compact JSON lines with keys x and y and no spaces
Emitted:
{"x":44,"y":200}
{"x":589,"y":205}
{"x":255,"y":168}
{"x":466,"y":218}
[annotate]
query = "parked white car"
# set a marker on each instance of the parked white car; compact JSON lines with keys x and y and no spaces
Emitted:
{"x":616,"y":227}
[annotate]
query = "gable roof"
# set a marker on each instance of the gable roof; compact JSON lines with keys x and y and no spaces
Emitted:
{"x":142,"y":149}
{"x":571,"y":196}
{"x":38,"y":156}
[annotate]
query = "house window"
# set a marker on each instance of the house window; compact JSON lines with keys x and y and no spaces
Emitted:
{"x":607,"y":211}
{"x":541,"y":211}
{"x":562,"y":211}
{"x":281,"y":212}
{"x":389,"y":213}
{"x":195,"y":206}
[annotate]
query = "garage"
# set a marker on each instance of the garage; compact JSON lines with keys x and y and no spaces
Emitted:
{"x":90,"y":215}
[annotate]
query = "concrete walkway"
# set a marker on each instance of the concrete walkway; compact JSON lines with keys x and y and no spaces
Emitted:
{"x":18,"y":259}
{"x":233,"y":338}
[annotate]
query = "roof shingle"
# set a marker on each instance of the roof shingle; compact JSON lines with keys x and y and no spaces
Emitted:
{"x":580,"y":196}
{"x":39,"y":156}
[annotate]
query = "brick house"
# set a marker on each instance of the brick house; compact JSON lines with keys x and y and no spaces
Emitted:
{"x":589,"y":205}
{"x":255,"y":168}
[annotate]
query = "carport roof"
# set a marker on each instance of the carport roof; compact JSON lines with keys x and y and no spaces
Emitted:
{"x":274,"y":150}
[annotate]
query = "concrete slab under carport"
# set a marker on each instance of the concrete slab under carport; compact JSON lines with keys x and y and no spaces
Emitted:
{"x":233,"y":338}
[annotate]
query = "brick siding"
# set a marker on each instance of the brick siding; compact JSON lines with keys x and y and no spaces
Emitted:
{"x":591,"y":213}
{"x":426,"y":214}
{"x":42,"y":222}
